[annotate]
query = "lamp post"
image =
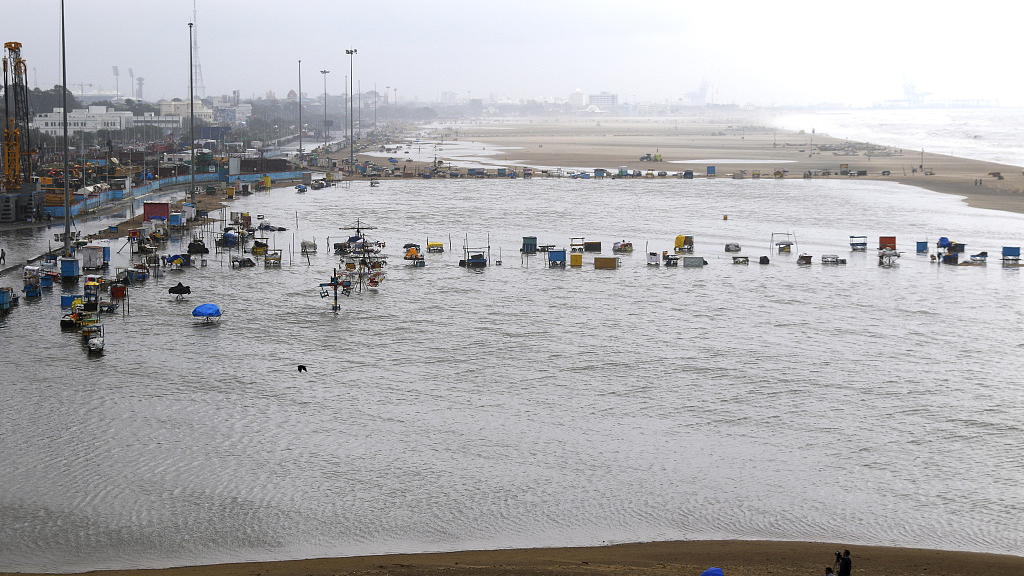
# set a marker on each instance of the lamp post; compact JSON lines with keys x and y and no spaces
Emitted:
{"x":326,"y":131}
{"x":300,"y":114}
{"x":351,"y":134}
{"x":191,"y":120}
{"x":386,"y":90}
{"x":64,"y":115}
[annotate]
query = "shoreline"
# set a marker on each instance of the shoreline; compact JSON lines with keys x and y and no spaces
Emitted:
{"x":734,"y":557}
{"x":614,"y":142}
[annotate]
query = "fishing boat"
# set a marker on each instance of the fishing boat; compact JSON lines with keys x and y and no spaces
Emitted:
{"x":979,"y":258}
{"x":732,"y":247}
{"x":308,"y":246}
{"x":300,"y":188}
{"x":669,"y":259}
{"x":803,"y":259}
{"x":832,"y":259}
{"x":684,"y":244}
{"x":653,"y":259}
{"x":435,"y":247}
{"x":859,"y":243}
{"x":741,"y":259}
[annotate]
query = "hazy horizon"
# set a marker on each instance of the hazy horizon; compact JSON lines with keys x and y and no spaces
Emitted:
{"x":784,"y":54}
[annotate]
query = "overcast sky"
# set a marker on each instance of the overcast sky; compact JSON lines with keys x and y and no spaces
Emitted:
{"x":751,"y":52}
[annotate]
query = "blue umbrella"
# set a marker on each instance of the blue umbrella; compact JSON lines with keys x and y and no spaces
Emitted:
{"x":206,"y":311}
{"x":713,"y":572}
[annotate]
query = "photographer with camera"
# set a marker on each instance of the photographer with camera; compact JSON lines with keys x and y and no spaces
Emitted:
{"x":844,"y":563}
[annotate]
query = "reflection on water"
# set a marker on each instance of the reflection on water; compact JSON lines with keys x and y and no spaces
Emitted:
{"x":527,"y":406}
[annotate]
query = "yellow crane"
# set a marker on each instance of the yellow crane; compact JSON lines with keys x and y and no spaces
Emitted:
{"x":17,"y":145}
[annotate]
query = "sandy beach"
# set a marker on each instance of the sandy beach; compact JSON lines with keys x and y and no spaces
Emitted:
{"x":747,"y":144}
{"x":735,"y":558}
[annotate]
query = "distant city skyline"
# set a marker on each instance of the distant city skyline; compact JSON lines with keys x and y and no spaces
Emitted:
{"x":790,"y":53}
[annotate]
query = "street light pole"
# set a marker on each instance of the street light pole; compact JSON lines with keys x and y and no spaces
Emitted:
{"x":300,"y":114}
{"x":351,"y":133}
{"x":191,"y":119}
{"x":326,"y":131}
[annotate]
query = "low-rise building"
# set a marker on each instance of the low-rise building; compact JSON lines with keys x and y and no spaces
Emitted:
{"x":89,"y":119}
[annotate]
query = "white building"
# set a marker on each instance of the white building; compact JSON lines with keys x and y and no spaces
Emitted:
{"x":168,"y":123}
{"x":231,"y":114}
{"x":606,"y":101}
{"x":181,"y":108}
{"x":89,"y":119}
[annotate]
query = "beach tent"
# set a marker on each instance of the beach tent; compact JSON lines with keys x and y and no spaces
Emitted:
{"x":712,"y":572}
{"x":206,"y":311}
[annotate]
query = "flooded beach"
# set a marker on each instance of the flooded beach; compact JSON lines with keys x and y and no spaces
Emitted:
{"x":523,"y":406}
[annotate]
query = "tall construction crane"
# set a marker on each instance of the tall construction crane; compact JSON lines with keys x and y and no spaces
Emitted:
{"x":17,"y":142}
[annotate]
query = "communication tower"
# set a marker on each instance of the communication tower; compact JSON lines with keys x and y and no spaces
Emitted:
{"x":197,"y":68}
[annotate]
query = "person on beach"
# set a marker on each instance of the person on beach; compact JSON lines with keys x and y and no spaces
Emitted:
{"x":828,"y":571}
{"x":845,"y":564}
{"x":3,"y":256}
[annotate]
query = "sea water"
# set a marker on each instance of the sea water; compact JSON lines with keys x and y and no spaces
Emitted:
{"x":991,"y":134}
{"x":525,"y":406}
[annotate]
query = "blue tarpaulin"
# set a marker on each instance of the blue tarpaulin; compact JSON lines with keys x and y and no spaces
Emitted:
{"x":944,"y":242}
{"x":712,"y":572}
{"x":206,"y":311}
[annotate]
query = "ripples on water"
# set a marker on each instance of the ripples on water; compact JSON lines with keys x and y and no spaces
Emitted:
{"x":524,"y":406}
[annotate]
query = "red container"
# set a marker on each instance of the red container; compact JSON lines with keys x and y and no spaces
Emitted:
{"x":886,"y":242}
{"x":118,"y":291}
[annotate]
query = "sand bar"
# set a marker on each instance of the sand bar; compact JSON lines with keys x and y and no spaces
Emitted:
{"x":746,"y":143}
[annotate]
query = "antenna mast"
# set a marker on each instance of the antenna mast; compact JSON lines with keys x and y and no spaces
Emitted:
{"x":197,"y":68}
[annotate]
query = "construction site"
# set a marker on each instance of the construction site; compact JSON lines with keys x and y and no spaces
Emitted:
{"x":22,"y":196}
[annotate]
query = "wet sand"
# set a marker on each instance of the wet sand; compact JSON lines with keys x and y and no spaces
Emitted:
{"x":735,"y":558}
{"x":696,"y":142}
